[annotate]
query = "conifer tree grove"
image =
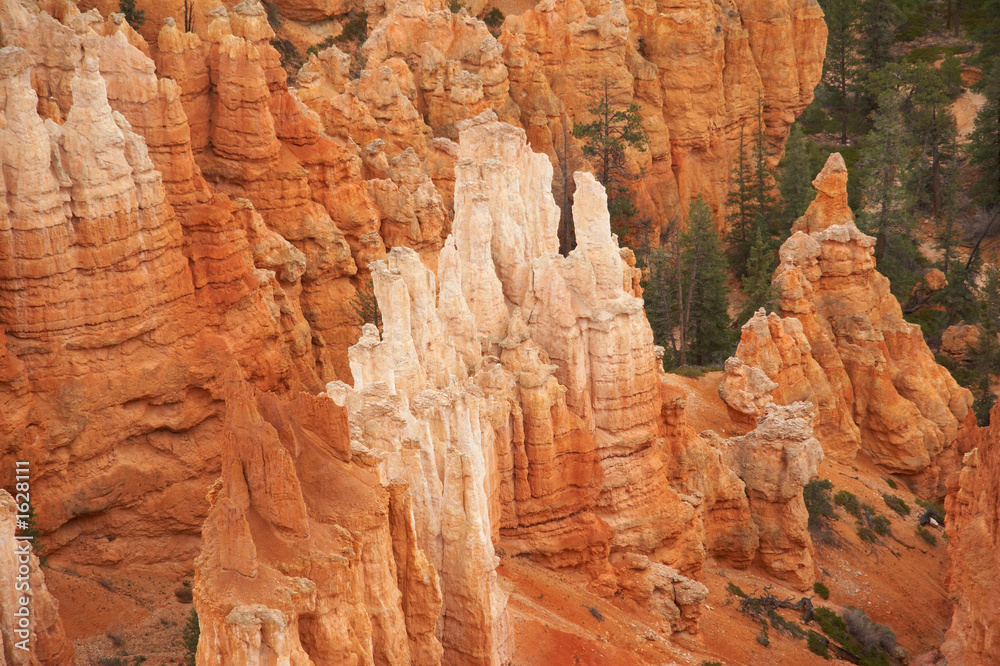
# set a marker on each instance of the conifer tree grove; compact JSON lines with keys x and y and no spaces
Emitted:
{"x":984,"y":142}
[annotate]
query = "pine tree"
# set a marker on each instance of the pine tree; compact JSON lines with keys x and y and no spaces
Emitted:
{"x":135,"y":17}
{"x":660,"y":298}
{"x":839,"y":72}
{"x":757,"y":282}
{"x":365,"y":305}
{"x":740,"y":215}
{"x":876,"y":27}
{"x":932,"y":129}
{"x":605,"y":140}
{"x":986,"y":354}
{"x":984,"y":142}
{"x":795,"y":174}
{"x":887,"y":211}
{"x":752,"y":206}
{"x":705,"y":323}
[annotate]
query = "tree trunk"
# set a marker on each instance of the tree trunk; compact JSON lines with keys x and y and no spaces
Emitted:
{"x":947,"y":24}
{"x":936,"y":180}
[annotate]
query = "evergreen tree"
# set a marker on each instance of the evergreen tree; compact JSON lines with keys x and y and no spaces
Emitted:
{"x":365,"y":305}
{"x":605,"y":140}
{"x":660,"y":297}
{"x":752,"y":206}
{"x":986,"y":354}
{"x":841,"y":64}
{"x":135,"y":17}
{"x":886,"y":210}
{"x":757,"y":282}
{"x":795,"y":174}
{"x":740,"y":215}
{"x":984,"y":142}
{"x":932,"y":130}
{"x":876,"y":27}
{"x":705,"y":322}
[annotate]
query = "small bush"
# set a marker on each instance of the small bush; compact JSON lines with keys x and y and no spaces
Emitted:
{"x":790,"y":628}
{"x":355,"y":29}
{"x":735,"y":590}
{"x":891,"y":483}
{"x":762,"y":636}
{"x":849,"y":501}
{"x":184,"y":595}
{"x":866,"y":534}
{"x":322,"y":46}
{"x":880,"y":525}
{"x":822,"y":590}
{"x":494,"y":20}
{"x":192,"y":631}
{"x":817,"y":498}
{"x":933,"y":506}
{"x":896,"y":504}
{"x":927,"y":535}
{"x":818,"y":645}
{"x":869,"y":634}
{"x":135,"y":17}
{"x":711,"y":663}
{"x":455,"y":7}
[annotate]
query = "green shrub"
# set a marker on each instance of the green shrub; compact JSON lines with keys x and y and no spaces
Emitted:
{"x":849,"y":501}
{"x":866,"y":534}
{"x":711,"y":663}
{"x":927,"y":535}
{"x":891,"y":483}
{"x":880,"y":525}
{"x":762,"y":635}
{"x":355,"y":29}
{"x":192,"y":631}
{"x":135,"y":17}
{"x":735,"y":590}
{"x":822,"y":590}
{"x":494,"y":20}
{"x":933,"y":506}
{"x":818,"y":645}
{"x":817,"y":498}
{"x":896,"y":504}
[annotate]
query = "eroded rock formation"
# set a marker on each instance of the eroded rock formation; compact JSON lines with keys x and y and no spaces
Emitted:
{"x":879,"y":373}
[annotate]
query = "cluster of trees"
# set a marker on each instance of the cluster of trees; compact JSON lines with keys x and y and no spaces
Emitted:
{"x":928,"y":198}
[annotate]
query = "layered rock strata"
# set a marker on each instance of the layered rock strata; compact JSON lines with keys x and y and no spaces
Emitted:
{"x":101,"y":285}
{"x":882,"y":392}
{"x":696,"y":70}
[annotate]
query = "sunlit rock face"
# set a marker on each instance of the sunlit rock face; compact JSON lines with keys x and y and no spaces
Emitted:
{"x":879,"y":389}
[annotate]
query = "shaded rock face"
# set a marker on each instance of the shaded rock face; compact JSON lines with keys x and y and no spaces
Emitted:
{"x":306,"y":556}
{"x":973,"y":540}
{"x":882,"y":391}
{"x":22,"y":578}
